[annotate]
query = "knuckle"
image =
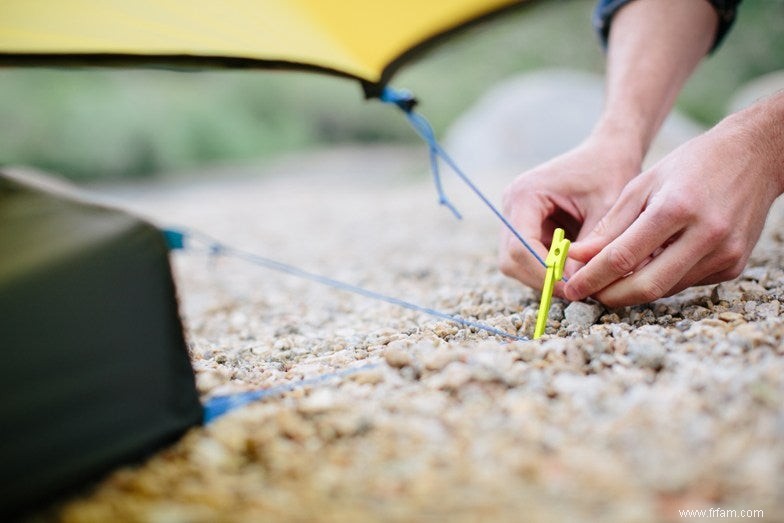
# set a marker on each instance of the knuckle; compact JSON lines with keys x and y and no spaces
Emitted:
{"x":736,"y":253}
{"x":716,"y":230}
{"x":621,"y":259}
{"x":736,"y":270}
{"x":733,"y":273}
{"x":731,"y":256}
{"x":676,"y":209}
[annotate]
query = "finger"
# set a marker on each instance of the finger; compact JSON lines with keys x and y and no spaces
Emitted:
{"x":621,"y":215}
{"x":652,"y":229}
{"x":528,"y":215}
{"x":660,"y":276}
{"x":714,"y":268}
{"x":517,"y":262}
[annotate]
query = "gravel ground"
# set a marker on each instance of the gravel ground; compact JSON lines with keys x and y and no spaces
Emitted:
{"x":625,"y":415}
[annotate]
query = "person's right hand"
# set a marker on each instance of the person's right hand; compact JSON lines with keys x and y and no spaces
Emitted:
{"x":691,"y":219}
{"x":573,"y":191}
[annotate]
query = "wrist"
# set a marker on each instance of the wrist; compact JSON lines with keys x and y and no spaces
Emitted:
{"x":759,"y":129}
{"x":620,"y":144}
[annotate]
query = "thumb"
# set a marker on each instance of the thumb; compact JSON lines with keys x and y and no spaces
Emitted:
{"x":618,"y":218}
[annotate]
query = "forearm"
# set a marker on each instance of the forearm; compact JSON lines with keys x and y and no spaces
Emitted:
{"x":760,"y":129}
{"x":654,"y":45}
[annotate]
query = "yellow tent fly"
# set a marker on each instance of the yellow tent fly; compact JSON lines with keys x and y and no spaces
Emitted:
{"x":362,"y":39}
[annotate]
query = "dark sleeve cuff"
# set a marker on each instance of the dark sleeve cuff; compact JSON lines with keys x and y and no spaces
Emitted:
{"x":606,"y":9}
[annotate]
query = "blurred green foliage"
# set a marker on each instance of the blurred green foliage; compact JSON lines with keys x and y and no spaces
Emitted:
{"x":88,"y":124}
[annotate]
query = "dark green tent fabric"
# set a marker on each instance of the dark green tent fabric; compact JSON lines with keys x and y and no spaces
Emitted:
{"x":94,"y":370}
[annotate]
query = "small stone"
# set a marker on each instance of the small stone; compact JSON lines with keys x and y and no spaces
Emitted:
{"x":724,"y":292}
{"x":575,"y":356}
{"x":435,"y":360}
{"x":282,"y":344}
{"x":349,"y":424}
{"x":397,"y":358}
{"x":730,"y":317}
{"x":581,"y":314}
{"x":696,"y":312}
{"x":610,"y":318}
{"x":758,"y":274}
{"x":750,"y":308}
{"x":321,"y":400}
{"x":556,"y":312}
{"x":769,"y":310}
{"x":751,"y":290}
{"x":529,"y":352}
{"x":293,"y":426}
{"x":443,"y":329}
{"x":683,"y":325}
{"x":368,"y":377}
{"x":747,"y":336}
{"x":454,"y":376}
{"x":529,"y":323}
{"x":647,"y":353}
{"x":206,"y":381}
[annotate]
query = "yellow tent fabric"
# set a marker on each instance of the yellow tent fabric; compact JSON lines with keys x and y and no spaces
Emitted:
{"x":362,"y":39}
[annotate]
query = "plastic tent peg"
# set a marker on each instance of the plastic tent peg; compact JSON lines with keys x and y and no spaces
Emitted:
{"x":555,"y":261}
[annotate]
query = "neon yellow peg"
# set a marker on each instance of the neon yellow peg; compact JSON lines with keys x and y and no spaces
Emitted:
{"x":555,"y":261}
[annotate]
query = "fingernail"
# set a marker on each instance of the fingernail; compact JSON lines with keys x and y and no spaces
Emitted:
{"x":571,"y":294}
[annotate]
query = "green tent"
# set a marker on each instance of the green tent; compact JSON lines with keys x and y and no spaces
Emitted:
{"x":95,"y":370}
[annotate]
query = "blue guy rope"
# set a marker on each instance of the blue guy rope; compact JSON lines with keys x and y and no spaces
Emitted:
{"x":217,"y":406}
{"x":176,"y":239}
{"x":406,"y":102}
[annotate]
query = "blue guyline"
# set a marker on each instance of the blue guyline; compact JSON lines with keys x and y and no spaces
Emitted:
{"x":217,"y":406}
{"x":406,"y":102}
{"x":176,"y":240}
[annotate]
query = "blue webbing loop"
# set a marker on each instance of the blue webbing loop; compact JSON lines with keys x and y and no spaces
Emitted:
{"x":175,"y":240}
{"x":406,"y":101}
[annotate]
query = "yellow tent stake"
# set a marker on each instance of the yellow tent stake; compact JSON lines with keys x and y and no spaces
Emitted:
{"x":555,"y":261}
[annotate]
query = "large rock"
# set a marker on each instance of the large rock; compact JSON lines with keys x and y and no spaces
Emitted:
{"x":529,"y":119}
{"x":752,"y":91}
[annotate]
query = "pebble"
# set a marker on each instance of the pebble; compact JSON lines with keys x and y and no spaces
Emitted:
{"x":769,"y":310}
{"x":453,"y":376}
{"x":647,"y":352}
{"x":726,"y":292}
{"x":759,"y":274}
{"x":320,"y":400}
{"x":731,"y":317}
{"x":696,"y":312}
{"x":581,"y":314}
{"x":369,"y":377}
{"x":556,"y":311}
{"x":397,"y":358}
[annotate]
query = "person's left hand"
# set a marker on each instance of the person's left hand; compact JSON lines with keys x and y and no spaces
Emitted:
{"x":692,"y":219}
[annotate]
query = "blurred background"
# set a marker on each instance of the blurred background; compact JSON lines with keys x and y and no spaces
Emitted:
{"x":92,"y":125}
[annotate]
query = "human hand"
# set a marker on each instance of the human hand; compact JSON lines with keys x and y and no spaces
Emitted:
{"x":692,"y":219}
{"x":572,"y":191}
